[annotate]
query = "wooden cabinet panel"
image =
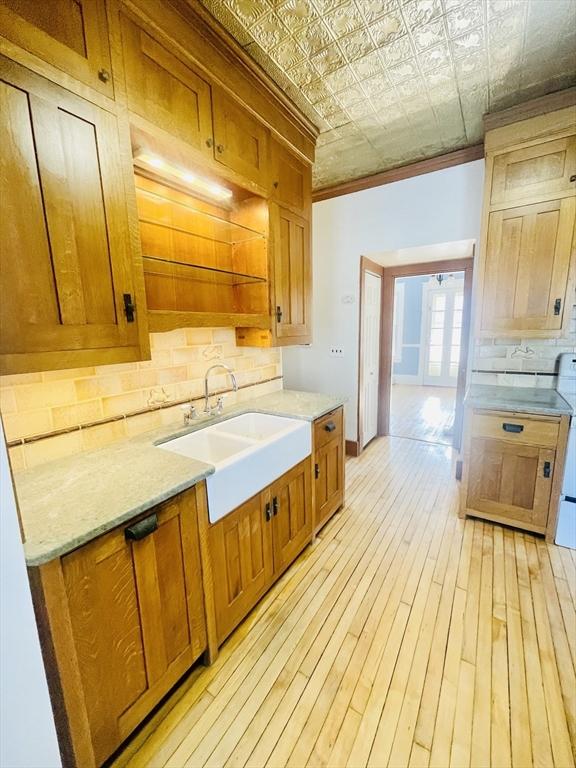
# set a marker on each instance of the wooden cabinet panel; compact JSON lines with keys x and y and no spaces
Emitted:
{"x":241,"y":553}
{"x":291,"y":180}
{"x":329,"y":427}
{"x":539,"y":172}
{"x":290,"y":236}
{"x":292,"y":514}
{"x":329,"y":480}
{"x":65,"y":247}
{"x":510,"y":481}
{"x":527,"y":265}
{"x":137,"y":619}
{"x":164,"y":90}
{"x":241,"y":142}
{"x":70,"y":34}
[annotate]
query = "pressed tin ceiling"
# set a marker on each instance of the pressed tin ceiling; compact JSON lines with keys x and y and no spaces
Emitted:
{"x":390,"y":82}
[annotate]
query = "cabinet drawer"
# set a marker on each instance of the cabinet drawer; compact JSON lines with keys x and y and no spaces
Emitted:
{"x":516,"y":428}
{"x":328,"y":427}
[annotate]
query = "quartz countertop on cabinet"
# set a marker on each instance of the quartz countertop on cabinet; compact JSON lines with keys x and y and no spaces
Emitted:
{"x":68,"y":502}
{"x":545,"y":402}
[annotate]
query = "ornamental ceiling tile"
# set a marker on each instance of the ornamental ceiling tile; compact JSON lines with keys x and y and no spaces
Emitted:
{"x":391,"y":81}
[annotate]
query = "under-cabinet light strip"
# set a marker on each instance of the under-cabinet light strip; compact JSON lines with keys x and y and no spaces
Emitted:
{"x":183,"y":176}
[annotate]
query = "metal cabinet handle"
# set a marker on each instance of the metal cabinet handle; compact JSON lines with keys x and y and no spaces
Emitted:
{"x":573,"y":177}
{"x":103,"y":75}
{"x":220,"y":148}
{"x":512,"y":427}
{"x":275,"y":506}
{"x":209,"y":142}
{"x":330,"y":427}
{"x":129,"y":307}
{"x":547,"y":468}
{"x":268,"y":512}
{"x":279,"y":314}
{"x":316,"y":471}
{"x":557,"y":306}
{"x":142,"y":528}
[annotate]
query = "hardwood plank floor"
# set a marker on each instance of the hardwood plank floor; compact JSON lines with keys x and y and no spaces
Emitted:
{"x":422,"y":413}
{"x":403,"y":637}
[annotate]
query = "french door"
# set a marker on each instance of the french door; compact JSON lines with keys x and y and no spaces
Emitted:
{"x":443,"y":334}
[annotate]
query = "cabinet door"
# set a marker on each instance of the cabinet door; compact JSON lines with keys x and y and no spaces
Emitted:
{"x":65,"y":247}
{"x":291,"y":500}
{"x":164,"y":90}
{"x":70,"y":34}
{"x":137,"y":619}
{"x":329,"y":480}
{"x":510,"y":481}
{"x":290,"y":236}
{"x":241,"y":142}
{"x":241,"y":553}
{"x":528,"y":256}
{"x":291,"y":180}
{"x":540,"y":172}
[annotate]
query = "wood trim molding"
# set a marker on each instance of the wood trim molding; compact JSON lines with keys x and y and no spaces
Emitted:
{"x":387,"y":316}
{"x":366,"y":265}
{"x":549,"y":103}
{"x":352,"y":448}
{"x":438,"y":163}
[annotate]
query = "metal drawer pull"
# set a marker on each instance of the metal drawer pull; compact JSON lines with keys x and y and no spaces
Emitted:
{"x":547,"y":468}
{"x":275,"y":506}
{"x":512,"y":427}
{"x":330,"y":427}
{"x":268,"y":512}
{"x":142,"y":528}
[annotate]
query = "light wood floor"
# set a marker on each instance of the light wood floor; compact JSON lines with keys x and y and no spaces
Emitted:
{"x":422,"y":413}
{"x":404,"y":637}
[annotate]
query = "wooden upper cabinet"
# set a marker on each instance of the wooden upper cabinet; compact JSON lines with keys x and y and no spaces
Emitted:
{"x":291,"y":180}
{"x":290,"y":235}
{"x":527,"y":264}
{"x":136,"y":617}
{"x":66,"y":252}
{"x":241,"y":552}
{"x":164,"y":90}
{"x":291,"y":499}
{"x":70,"y":34}
{"x":241,"y":141}
{"x":535,"y":173}
{"x":510,"y":481}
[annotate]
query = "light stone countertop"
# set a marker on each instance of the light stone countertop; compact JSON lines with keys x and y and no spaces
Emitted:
{"x":546,"y":402}
{"x":68,"y":502}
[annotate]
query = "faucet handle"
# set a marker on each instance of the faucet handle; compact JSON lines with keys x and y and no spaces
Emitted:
{"x":220,"y":403}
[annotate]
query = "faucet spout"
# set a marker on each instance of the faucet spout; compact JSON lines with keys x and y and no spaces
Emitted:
{"x":230,"y":372}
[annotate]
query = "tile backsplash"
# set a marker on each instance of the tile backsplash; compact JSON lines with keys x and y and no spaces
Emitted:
{"x":53,"y":414}
{"x":521,"y":362}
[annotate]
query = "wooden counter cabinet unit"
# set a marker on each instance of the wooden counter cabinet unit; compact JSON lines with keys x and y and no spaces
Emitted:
{"x":254,"y":544}
{"x":513,"y":467}
{"x":121,"y":619}
{"x":329,"y":458}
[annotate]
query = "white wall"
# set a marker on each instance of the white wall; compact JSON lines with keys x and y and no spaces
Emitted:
{"x":27,"y":732}
{"x":434,"y":208}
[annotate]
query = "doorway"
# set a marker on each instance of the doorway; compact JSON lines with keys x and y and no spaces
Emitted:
{"x":440,"y":354}
{"x":426,"y":341}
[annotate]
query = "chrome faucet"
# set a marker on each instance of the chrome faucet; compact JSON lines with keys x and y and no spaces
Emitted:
{"x":220,"y":401}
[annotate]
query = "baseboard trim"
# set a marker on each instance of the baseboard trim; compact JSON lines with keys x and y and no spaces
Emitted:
{"x":352,"y":448}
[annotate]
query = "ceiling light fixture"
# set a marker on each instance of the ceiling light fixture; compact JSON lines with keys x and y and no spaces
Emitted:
{"x":203,"y":186}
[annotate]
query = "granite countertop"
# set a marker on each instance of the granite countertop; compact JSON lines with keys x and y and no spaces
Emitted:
{"x":68,"y":502}
{"x":546,"y":402}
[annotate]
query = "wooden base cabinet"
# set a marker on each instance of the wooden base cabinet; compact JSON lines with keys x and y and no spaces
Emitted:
{"x":253,"y":545}
{"x":124,"y":619}
{"x":329,"y":458}
{"x":513,"y":467}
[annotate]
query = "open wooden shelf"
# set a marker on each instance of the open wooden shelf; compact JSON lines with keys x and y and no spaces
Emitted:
{"x":159,"y":320}
{"x":156,"y":265}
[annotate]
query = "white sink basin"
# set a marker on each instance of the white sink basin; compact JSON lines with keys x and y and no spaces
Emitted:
{"x":248,"y":453}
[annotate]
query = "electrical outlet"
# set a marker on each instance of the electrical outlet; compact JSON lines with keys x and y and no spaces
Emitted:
{"x":336,"y":352}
